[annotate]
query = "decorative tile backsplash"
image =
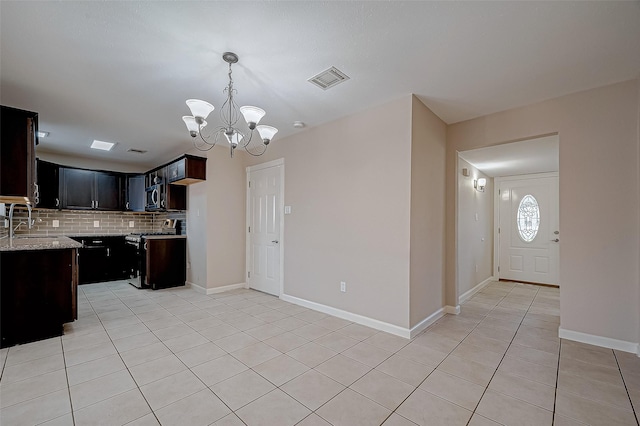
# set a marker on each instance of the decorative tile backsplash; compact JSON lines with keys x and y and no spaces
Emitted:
{"x":82,"y":222}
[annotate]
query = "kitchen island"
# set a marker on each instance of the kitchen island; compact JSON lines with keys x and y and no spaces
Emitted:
{"x":38,"y":285}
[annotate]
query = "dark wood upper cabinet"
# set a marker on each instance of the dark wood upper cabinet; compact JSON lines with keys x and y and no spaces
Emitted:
{"x":135,"y":193}
{"x":108,"y":191}
{"x":48,"y":180}
{"x":89,"y":189}
{"x":187,"y":169}
{"x":17,"y":155}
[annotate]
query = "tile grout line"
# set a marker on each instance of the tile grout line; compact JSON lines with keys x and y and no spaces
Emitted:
{"x":120,"y":356}
{"x":450,"y":352}
{"x":555,"y":391}
{"x":626,"y":388}
{"x":66,"y":375}
{"x":505,"y":352}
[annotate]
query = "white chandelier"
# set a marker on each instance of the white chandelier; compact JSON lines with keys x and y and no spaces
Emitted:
{"x":229,"y":115}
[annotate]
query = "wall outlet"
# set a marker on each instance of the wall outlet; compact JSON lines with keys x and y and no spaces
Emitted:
{"x":287,"y":209}
{"x":96,"y":224}
{"x":131,"y":224}
{"x":55,"y":223}
{"x":343,"y":286}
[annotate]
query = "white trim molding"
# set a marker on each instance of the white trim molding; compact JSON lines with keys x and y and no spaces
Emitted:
{"x":349,"y":316}
{"x":605,"y":342}
{"x":467,"y":294}
{"x":422,"y":325}
{"x":371,"y":322}
{"x":453,"y":310}
{"x":214,"y":290}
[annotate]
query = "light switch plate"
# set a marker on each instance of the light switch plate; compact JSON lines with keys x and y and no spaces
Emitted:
{"x":55,"y":223}
{"x":131,"y":224}
{"x":96,"y":224}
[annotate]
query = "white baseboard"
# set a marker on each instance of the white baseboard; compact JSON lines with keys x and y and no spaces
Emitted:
{"x":196,"y":287}
{"x":605,"y":342}
{"x":349,"y":316}
{"x":467,"y":294}
{"x":422,"y":325}
{"x":215,"y":290}
{"x":453,"y":310}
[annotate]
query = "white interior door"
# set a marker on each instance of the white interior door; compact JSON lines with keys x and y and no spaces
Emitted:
{"x":529,"y":233}
{"x":264,"y":212}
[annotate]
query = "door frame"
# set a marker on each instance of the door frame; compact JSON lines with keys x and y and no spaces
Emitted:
{"x":496,"y":214}
{"x":249,"y":169}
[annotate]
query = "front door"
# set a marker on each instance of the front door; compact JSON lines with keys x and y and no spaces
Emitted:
{"x":264,"y":205}
{"x":529,"y":233}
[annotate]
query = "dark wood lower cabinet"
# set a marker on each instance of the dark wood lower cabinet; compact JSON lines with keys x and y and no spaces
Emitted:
{"x":37,"y":293}
{"x":102,"y":258}
{"x":166,"y":262}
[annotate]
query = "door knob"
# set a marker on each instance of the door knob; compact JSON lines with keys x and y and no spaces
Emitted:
{"x":275,"y":241}
{"x":556,"y":240}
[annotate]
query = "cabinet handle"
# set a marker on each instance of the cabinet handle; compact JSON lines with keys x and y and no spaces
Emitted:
{"x":96,"y":204}
{"x":108,"y":251}
{"x":162,"y":203}
{"x":127,"y":205}
{"x":57,"y":202}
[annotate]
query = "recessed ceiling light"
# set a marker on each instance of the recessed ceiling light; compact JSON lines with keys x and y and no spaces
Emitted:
{"x":43,"y":134}
{"x":105,"y":146}
{"x":298,"y":124}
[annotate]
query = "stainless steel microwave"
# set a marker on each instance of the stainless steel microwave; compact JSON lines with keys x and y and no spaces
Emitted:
{"x":155,"y":196}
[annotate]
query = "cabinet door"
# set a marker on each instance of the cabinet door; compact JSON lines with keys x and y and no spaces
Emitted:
{"x":77,"y":187}
{"x":135,"y":193}
{"x":48,"y":185}
{"x":166,"y":262}
{"x":108,"y":195}
{"x":17,"y":154}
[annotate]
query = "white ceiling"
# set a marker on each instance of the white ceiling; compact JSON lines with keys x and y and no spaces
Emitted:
{"x":537,"y":155}
{"x":121,"y":71}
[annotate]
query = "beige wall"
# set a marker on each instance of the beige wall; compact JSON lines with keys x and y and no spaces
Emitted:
{"x":349,"y":185}
{"x":475,"y":237}
{"x":427,"y":240}
{"x":216,"y":218}
{"x":599,"y":200}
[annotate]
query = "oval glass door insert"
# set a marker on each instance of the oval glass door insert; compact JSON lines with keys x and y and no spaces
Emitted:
{"x":528,"y":218}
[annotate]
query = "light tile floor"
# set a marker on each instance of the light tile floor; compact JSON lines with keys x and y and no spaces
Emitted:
{"x":177,"y":357}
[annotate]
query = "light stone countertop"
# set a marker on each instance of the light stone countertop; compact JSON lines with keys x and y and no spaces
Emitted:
{"x":163,"y":237}
{"x":38,"y":243}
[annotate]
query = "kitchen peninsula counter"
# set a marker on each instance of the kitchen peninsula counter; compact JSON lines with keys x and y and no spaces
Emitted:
{"x":38,"y":288}
{"x":38,"y":243}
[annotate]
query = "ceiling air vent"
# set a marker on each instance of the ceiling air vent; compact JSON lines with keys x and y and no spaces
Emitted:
{"x":328,"y":78}
{"x":137,"y":151}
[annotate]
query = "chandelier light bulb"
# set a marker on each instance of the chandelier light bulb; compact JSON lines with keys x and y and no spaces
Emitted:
{"x":266,"y":133}
{"x":234,"y":139}
{"x":192,"y":126}
{"x":252,"y":115}
{"x":199,"y":109}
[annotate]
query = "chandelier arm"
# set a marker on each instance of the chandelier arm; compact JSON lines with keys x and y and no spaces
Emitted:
{"x":245,"y":144}
{"x":255,"y":155}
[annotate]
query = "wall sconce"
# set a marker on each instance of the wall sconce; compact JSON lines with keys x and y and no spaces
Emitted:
{"x":480,"y":184}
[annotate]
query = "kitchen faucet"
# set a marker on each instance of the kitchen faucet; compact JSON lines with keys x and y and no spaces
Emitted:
{"x":12,"y":230}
